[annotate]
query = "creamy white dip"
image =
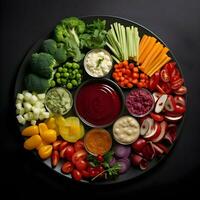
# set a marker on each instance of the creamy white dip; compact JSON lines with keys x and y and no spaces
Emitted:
{"x":98,"y":62}
{"x":126,"y":130}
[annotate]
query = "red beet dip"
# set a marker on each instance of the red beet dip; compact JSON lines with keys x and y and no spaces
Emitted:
{"x":98,"y":104}
{"x":139,"y":102}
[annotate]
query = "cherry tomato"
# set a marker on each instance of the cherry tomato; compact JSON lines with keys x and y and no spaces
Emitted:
{"x":154,"y":80}
{"x":69,"y":152}
{"x":81,"y":154}
{"x":100,"y":169}
{"x":81,"y":164}
{"x":157,"y":117}
{"x":100,"y":158}
{"x":166,"y":87}
{"x":131,"y":65}
{"x":85,"y":174}
{"x":76,"y":175}
{"x":67,"y":167}
{"x":164,"y":75}
{"x":79,"y":145}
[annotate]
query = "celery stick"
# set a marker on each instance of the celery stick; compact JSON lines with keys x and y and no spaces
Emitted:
{"x":114,"y":58}
{"x":134,"y":41}
{"x":128,"y":41}
{"x":125,"y":43}
{"x":137,"y":43}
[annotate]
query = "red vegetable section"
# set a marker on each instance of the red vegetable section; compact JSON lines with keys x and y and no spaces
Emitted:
{"x":98,"y":103}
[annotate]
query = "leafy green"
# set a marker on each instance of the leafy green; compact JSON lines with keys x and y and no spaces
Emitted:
{"x":110,"y":172}
{"x":95,"y":35}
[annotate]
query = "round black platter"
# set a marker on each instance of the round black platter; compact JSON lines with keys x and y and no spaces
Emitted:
{"x":132,"y":173}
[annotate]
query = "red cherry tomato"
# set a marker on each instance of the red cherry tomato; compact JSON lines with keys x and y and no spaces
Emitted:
{"x":85,"y":174}
{"x":100,"y":158}
{"x":67,"y":167}
{"x":79,"y":145}
{"x":157,"y":117}
{"x":81,"y":154}
{"x":164,"y":75}
{"x":69,"y":152}
{"x":76,"y":175}
{"x":154,"y":80}
{"x":81,"y":164}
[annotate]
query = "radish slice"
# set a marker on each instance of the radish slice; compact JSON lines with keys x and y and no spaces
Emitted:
{"x":146,"y":124}
{"x":170,"y":104}
{"x":168,"y":138}
{"x":138,"y":160}
{"x":161,"y":103}
{"x":163,"y":126}
{"x":173,"y":119}
{"x":150,"y":121}
{"x":156,"y":95}
{"x":163,"y":147}
{"x":180,"y":100}
{"x":139,"y":144}
{"x":158,"y":150}
{"x":144,"y":164}
{"x":154,"y":133}
{"x":148,"y":151}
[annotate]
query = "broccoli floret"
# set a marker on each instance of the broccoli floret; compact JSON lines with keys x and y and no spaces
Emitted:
{"x":60,"y":55}
{"x":42,"y":64}
{"x":67,"y":32}
{"x":60,"y":33}
{"x":74,"y":23}
{"x":49,"y":46}
{"x":36,"y":83}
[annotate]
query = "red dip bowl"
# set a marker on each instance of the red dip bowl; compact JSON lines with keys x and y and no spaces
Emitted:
{"x":99,"y":103}
{"x":139,"y":102}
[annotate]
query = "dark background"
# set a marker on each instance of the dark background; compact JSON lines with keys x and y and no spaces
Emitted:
{"x":23,"y":22}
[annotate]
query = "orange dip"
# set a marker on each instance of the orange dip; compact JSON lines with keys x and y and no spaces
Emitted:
{"x":98,"y":141}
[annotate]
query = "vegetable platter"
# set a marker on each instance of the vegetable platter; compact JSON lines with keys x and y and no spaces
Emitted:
{"x":100,"y":99}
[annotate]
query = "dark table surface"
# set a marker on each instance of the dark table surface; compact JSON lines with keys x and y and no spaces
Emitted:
{"x":24,"y":22}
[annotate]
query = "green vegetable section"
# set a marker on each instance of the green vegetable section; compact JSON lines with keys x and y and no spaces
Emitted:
{"x":58,"y":62}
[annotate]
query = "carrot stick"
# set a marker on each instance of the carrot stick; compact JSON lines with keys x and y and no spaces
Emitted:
{"x":152,"y":55}
{"x":146,"y":43}
{"x":142,"y":42}
{"x":159,"y":57}
{"x":147,"y":50}
{"x":159,"y":65}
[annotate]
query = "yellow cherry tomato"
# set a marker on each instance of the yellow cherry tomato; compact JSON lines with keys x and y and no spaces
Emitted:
{"x":43,"y":143}
{"x":45,"y":151}
{"x":32,"y":142}
{"x":49,"y":136}
{"x":30,"y":131}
